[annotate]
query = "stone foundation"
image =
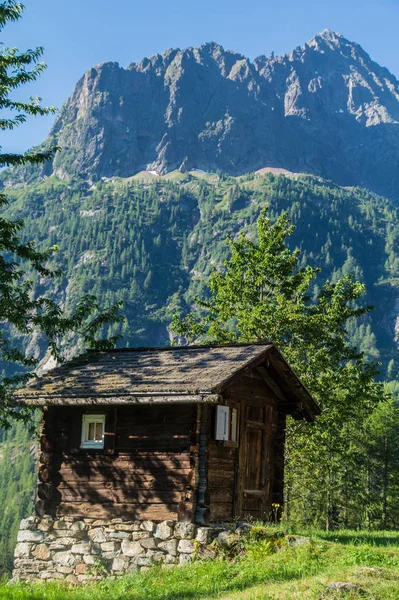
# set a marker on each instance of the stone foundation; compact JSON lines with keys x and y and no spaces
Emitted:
{"x":76,"y":550}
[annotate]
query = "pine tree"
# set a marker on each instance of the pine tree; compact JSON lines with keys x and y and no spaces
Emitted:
{"x":21,"y":310}
{"x":263,"y":294}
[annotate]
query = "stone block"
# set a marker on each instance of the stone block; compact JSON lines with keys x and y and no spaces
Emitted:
{"x":227,"y":539}
{"x":170,"y":560}
{"x":27,"y":535}
{"x":204,"y":535}
{"x":119,"y":535}
{"x":185,"y":547}
{"x":71,"y":579}
{"x":155,"y":556}
{"x":50,"y":575}
{"x":132,"y":548}
{"x":68,"y":533}
{"x":63,"y":542}
{"x":29,"y":564}
{"x":89,"y":559}
{"x":127,"y":527}
{"x":81,"y":568}
{"x":147,"y":526}
{"x":61,"y":524}
{"x":97,"y":535}
{"x":163,"y":531}
{"x":144,"y":561}
{"x":140,"y":535}
{"x":57,"y":546}
{"x":109,"y":546}
{"x":297,"y":540}
{"x":185,"y":558}
{"x":64,"y":570}
{"x":46,"y":524}
{"x":148,"y":543}
{"x":185,"y":531}
{"x":82,"y":548}
{"x":170,"y":547}
{"x":29,"y":523}
{"x":22,"y":550}
{"x":99,"y":523}
{"x":42,"y":552}
{"x":79,"y":526}
{"x":243,"y":530}
{"x":65,"y":559}
{"x":120,"y":563}
{"x":109,"y":555}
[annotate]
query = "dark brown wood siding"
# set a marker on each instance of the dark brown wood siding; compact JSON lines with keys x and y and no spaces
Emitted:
{"x":243,"y":481}
{"x":221,"y":470}
{"x":146,"y":469}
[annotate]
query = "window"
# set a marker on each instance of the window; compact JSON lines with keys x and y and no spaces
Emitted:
{"x":93,"y":431}
{"x":226,"y":424}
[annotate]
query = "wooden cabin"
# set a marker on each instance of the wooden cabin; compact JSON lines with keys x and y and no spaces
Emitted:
{"x":187,"y":434}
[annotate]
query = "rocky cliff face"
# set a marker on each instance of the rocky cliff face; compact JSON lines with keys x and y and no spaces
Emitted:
{"x":325,"y":108}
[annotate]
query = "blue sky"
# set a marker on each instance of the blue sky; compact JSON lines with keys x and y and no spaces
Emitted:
{"x":77,"y":34}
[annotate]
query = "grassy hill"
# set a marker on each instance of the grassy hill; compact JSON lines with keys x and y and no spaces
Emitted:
{"x":263,"y":567}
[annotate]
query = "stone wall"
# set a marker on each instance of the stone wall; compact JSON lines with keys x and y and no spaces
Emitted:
{"x":76,"y":550}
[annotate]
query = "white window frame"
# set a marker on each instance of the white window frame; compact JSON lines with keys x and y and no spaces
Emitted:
{"x":92,"y":444}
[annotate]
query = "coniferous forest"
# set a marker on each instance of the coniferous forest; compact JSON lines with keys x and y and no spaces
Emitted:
{"x":152,"y":245}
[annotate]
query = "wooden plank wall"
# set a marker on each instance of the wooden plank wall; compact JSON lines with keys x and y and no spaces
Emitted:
{"x":145,"y":471}
{"x":223,"y":458}
{"x":221,"y":480}
{"x":221,"y":470}
{"x":279,"y":426}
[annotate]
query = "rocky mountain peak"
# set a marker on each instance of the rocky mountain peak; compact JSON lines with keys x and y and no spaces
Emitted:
{"x":328,"y":37}
{"x":324,"y":108}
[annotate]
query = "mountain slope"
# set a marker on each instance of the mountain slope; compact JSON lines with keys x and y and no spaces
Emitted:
{"x":152,"y":245}
{"x":326,"y":108}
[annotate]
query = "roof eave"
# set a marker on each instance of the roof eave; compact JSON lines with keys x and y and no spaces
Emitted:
{"x":106,"y":400}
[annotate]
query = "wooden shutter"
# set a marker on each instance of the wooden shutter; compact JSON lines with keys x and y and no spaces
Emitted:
{"x":110,"y":431}
{"x":222,"y":423}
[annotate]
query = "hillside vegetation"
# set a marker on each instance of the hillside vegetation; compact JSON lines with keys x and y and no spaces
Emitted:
{"x":262,"y":567}
{"x":152,"y":242}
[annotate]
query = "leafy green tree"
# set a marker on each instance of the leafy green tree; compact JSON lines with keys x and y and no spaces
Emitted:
{"x":23,"y":312}
{"x":264,"y":294}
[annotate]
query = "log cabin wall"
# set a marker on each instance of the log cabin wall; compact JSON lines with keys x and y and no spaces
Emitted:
{"x":255,"y":461}
{"x":221,"y":472}
{"x":146,"y":470}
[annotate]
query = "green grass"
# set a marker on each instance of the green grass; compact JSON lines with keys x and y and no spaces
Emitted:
{"x":370,"y":560}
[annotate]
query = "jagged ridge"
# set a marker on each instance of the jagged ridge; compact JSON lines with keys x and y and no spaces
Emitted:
{"x":325,"y":108}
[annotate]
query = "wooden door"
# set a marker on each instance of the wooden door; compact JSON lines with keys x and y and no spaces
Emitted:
{"x":253,"y":485}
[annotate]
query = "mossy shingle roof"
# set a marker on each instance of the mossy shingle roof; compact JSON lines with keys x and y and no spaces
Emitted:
{"x":183,"y":374}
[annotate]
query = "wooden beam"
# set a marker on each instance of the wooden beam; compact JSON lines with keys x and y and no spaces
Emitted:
{"x":271,"y":383}
{"x":124,"y":399}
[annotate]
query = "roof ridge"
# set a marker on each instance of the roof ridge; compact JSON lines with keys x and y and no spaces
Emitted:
{"x":173,"y":348}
